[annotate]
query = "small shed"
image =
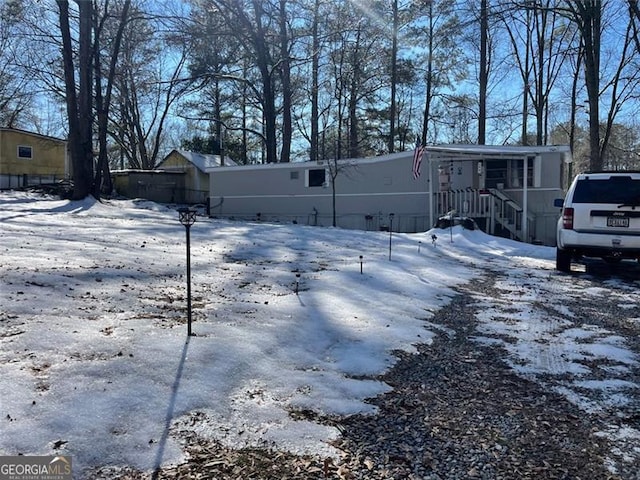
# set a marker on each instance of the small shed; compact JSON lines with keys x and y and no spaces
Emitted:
{"x":28,"y":158}
{"x":508,"y":190}
{"x":196,"y":167}
{"x":155,"y":185}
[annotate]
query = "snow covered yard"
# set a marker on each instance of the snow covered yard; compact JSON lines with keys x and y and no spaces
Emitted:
{"x":95,"y":362}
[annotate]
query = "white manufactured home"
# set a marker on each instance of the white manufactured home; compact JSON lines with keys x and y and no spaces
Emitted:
{"x":486,"y":183}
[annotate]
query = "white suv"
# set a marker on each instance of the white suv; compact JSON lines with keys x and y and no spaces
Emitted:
{"x":600,"y":218}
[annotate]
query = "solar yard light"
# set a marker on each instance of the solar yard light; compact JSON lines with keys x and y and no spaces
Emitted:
{"x":188,"y":218}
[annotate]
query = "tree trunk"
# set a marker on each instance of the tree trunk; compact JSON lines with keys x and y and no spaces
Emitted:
{"x":315,"y":69}
{"x":540,"y":93}
{"x":527,"y":84}
{"x":102,"y":181}
{"x":394,"y":78}
{"x":592,"y":80}
{"x":217,"y":112}
{"x":484,"y":74}
{"x":78,"y":105}
{"x":85,"y":98}
{"x":70,"y":91}
{"x":634,"y":12}
{"x":428,"y":80}
{"x":102,"y":175}
{"x":245,"y":158}
{"x":285,"y":68}
{"x":587,"y":15}
{"x":268,"y":95}
{"x":354,"y":150}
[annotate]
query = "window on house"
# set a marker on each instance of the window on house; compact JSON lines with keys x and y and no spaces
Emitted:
{"x":508,"y":173}
{"x":294,"y":175}
{"x":517,"y":173}
{"x":316,"y":177}
{"x":496,"y":173}
{"x":25,"y":151}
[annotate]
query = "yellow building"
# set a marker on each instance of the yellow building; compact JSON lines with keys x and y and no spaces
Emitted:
{"x":28,"y":158}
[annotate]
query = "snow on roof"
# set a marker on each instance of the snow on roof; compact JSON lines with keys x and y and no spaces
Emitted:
{"x":204,"y":161}
{"x":496,"y":149}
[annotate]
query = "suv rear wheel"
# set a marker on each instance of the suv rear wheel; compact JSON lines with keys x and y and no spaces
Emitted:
{"x":563,"y":260}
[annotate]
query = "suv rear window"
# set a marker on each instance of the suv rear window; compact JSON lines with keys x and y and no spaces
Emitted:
{"x":616,"y":190}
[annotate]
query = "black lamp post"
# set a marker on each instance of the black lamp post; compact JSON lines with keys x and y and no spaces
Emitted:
{"x":390,"y":232}
{"x":188,"y":218}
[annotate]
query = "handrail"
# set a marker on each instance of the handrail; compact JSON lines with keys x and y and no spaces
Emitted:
{"x":486,"y":203}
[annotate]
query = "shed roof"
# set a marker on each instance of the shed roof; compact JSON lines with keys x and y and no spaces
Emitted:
{"x":202,"y":161}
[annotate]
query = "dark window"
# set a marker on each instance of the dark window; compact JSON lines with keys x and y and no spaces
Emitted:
{"x":617,"y":190}
{"x":496,"y":172}
{"x":317,"y":177}
{"x":24,"y":151}
{"x":509,"y":173}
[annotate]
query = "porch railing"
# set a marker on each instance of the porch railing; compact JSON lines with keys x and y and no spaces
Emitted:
{"x":499,"y":210}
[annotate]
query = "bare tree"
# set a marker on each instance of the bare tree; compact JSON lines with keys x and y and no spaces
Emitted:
{"x":624,"y":78}
{"x":16,"y":86}
{"x":441,"y":64}
{"x":222,"y":83}
{"x":102,"y":181}
{"x":312,"y":115}
{"x":148,"y":83}
{"x":540,"y":45}
{"x":587,"y":15}
{"x":79,"y":104}
{"x":336,"y":168}
{"x":253,"y":23}
{"x":354,"y":46}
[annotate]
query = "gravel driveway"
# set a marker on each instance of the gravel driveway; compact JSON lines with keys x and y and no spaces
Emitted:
{"x":458,"y":410}
{"x":461,"y":407}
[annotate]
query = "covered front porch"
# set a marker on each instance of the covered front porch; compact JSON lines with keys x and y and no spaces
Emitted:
{"x":507,"y":190}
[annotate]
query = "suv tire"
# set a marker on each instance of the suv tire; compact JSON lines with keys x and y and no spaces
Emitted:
{"x":563,"y":260}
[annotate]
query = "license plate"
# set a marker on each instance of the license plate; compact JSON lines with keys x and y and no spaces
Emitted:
{"x":617,"y":221}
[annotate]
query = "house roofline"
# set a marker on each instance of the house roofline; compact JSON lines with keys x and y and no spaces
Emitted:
{"x":443,"y":152}
{"x":27,"y":132}
{"x":140,"y":170}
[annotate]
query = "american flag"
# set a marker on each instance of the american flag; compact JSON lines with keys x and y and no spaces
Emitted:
{"x":418,"y":153}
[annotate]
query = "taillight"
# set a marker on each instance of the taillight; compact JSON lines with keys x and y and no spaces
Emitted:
{"x":567,"y":218}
